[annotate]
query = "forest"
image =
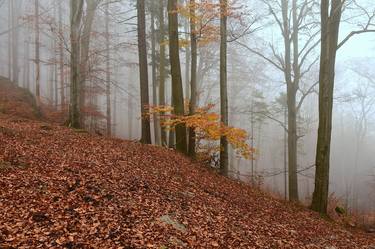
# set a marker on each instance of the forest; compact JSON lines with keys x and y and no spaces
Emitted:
{"x":187,"y":124}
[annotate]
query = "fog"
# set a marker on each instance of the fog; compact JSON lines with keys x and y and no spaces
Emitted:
{"x":256,"y":87}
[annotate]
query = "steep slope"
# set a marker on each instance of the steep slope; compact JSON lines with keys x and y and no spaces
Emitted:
{"x":16,"y":101}
{"x":61,"y":188}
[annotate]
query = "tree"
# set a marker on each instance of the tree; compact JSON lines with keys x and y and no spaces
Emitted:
{"x":85,"y":39}
{"x":16,"y":6}
{"x":76,"y":9}
{"x":193,"y":76}
{"x":153,"y":9}
{"x":37,"y":53}
{"x":296,"y":24}
{"x":61,"y":56}
{"x":143,"y":71}
{"x":177,"y":90}
{"x":107,"y":72}
{"x":224,"y":160}
{"x":162,"y":64}
{"x":331,"y":13}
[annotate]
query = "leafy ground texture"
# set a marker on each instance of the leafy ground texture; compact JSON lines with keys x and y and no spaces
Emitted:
{"x":61,"y":188}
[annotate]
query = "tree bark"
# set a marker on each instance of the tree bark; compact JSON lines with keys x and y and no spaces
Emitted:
{"x":10,"y":3}
{"x":108,"y":73}
{"x":177,"y":90}
{"x":163,"y":133}
{"x":37,"y":54}
{"x":193,"y":82}
{"x":88,"y":20}
{"x":223,"y":85}
{"x":154,"y":80}
{"x":76,"y":9}
{"x":61,"y":56}
{"x":143,"y":71}
{"x":15,"y":43}
{"x":330,"y":25}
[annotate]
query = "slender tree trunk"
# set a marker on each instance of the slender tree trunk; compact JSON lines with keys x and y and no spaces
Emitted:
{"x":330,"y":25}
{"x":37,"y":54}
{"x":291,"y":101}
{"x":15,"y":44}
{"x":76,"y":9}
{"x":10,"y":3}
{"x":177,"y":90}
{"x":193,"y":82}
{"x":114,"y":115}
{"x":223,"y":85}
{"x":154,"y":80}
{"x":88,"y":20}
{"x":61,"y":57}
{"x":108,"y":73}
{"x":143,"y":71}
{"x":286,"y":154}
{"x":252,"y":142}
{"x":163,"y":134}
{"x":130,"y":117}
{"x":187,"y":58}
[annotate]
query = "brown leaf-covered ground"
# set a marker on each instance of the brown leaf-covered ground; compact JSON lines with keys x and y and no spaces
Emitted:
{"x":61,"y":188}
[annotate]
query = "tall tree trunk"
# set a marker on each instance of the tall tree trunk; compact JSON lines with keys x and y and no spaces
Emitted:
{"x":15,"y":31}
{"x":223,"y":85}
{"x":291,"y":100}
{"x":76,"y":9}
{"x":37,"y":54}
{"x":177,"y":90}
{"x":162,"y":63}
{"x":154,"y":80}
{"x":193,"y":82}
{"x":187,"y":57}
{"x":143,"y":71}
{"x":330,"y":25}
{"x":10,"y":3}
{"x":88,"y":20}
{"x":163,"y":133}
{"x":61,"y":56}
{"x":108,"y":73}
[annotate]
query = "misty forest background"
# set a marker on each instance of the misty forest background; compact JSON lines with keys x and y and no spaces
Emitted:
{"x":265,"y":55}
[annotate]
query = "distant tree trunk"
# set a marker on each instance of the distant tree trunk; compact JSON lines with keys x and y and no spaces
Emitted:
{"x":50,"y":76}
{"x":154,"y":80}
{"x":177,"y":90}
{"x":163,"y":134}
{"x":61,"y":56}
{"x":114,"y":115}
{"x":108,"y":73}
{"x":10,"y":3}
{"x":76,"y":9}
{"x":286,"y":155}
{"x":15,"y":31}
{"x":143,"y":71}
{"x":330,"y":25}
{"x":91,"y":6}
{"x":37,"y":54}
{"x":193,"y":82}
{"x":223,"y":85}
{"x":187,"y":58}
{"x":291,"y":93}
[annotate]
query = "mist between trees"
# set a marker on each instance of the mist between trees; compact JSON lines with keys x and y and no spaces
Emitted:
{"x":295,"y":74}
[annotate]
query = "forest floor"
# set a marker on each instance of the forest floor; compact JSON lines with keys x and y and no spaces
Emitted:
{"x":64,"y":188}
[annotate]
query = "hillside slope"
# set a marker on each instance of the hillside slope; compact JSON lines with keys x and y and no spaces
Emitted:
{"x":61,"y":188}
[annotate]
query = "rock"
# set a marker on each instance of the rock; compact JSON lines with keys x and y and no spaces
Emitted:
{"x":166,"y":219}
